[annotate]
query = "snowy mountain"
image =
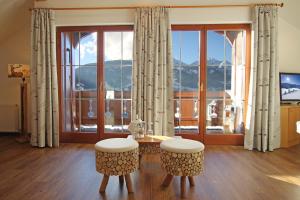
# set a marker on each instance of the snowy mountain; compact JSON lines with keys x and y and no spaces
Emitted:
{"x":187,"y":74}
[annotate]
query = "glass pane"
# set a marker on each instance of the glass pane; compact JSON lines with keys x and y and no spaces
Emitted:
{"x":126,"y":114}
{"x":68,"y":124}
{"x":118,"y":80}
{"x":117,"y":120}
{"x":225,"y":82}
{"x":176,"y":45}
{"x":186,"y":59}
{"x":113,"y":60}
{"x":186,"y":47}
{"x":86,"y":77}
{"x":113,"y":47}
{"x":127,"y":38}
{"x":80,"y":115}
{"x":88,"y":112}
{"x":88,"y":48}
{"x":79,"y":82}
{"x":66,"y":81}
{"x":186,"y":116}
{"x":65,"y":49}
{"x":190,"y":79}
{"x":75,"y":49}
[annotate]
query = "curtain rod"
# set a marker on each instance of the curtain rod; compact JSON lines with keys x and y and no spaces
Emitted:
{"x":134,"y":7}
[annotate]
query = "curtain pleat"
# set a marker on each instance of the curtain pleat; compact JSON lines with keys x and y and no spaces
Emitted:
{"x":44,"y":93}
{"x":152,"y":97}
{"x":263,"y":116}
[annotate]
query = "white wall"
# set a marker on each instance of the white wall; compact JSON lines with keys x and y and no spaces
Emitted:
{"x":15,"y":50}
{"x":177,"y":16}
{"x":15,"y":47}
{"x":289,"y":47}
{"x":289,"y":27}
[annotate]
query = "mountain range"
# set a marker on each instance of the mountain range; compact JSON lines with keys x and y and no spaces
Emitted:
{"x":289,"y":85}
{"x":86,"y":76}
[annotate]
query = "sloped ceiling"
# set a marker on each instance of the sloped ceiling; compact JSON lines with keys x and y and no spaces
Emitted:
{"x":291,"y":12}
{"x":14,"y":15}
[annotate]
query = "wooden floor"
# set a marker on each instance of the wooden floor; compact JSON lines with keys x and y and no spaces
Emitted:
{"x":68,"y":173}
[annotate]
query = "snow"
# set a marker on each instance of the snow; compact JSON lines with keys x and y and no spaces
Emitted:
{"x":290,"y":94}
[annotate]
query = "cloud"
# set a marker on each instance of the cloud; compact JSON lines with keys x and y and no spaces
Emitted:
{"x":112,"y":50}
{"x":113,"y":47}
{"x":88,"y":45}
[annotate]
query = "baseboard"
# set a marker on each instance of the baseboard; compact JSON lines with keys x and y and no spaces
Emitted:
{"x":9,"y":133}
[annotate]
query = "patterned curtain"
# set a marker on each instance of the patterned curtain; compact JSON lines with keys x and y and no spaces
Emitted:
{"x":152,"y":98}
{"x":263,"y":115}
{"x":44,"y":94}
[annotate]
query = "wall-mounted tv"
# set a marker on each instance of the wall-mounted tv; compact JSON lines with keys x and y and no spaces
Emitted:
{"x":289,"y":86}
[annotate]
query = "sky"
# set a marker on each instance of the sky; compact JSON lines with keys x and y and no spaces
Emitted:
{"x":112,"y":44}
{"x":290,"y":78}
{"x":186,"y":42}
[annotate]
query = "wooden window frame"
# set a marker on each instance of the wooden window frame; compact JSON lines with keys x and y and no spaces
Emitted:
{"x":230,"y":139}
{"x":69,"y":136}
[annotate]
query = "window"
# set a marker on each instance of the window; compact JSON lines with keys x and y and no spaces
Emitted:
{"x":95,"y":75}
{"x":186,"y":65}
{"x":118,"y":80}
{"x":85,"y":60}
{"x":79,"y":83}
{"x":210,"y":78}
{"x":225,"y":75}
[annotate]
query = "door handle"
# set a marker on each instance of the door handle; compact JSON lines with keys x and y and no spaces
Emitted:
{"x":101,"y":86}
{"x":201,"y":87}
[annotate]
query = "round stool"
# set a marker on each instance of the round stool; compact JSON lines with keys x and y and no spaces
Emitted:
{"x":181,"y":157}
{"x":116,"y":157}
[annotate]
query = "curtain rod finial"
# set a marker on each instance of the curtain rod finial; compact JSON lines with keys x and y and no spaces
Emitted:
{"x":281,"y":5}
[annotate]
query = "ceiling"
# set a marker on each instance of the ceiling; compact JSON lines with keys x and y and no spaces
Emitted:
{"x":290,"y":12}
{"x":14,"y":14}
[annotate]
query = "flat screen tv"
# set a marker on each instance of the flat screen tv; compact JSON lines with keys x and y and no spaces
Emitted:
{"x":289,"y":86}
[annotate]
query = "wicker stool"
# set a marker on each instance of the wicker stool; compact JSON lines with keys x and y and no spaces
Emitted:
{"x":116,"y":157}
{"x":181,"y":157}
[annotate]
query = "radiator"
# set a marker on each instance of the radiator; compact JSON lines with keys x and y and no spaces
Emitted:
{"x":9,"y":118}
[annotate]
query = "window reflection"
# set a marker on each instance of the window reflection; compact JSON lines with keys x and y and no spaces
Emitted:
{"x":225,"y":82}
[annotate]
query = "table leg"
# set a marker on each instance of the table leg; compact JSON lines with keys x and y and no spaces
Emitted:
{"x":104,"y":183}
{"x":182,"y":184}
{"x":191,"y":180}
{"x":128,"y":183}
{"x":167,"y":180}
{"x":121,"y":180}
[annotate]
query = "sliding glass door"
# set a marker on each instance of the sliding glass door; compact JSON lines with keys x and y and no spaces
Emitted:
{"x":186,"y":76}
{"x":118,"y":80}
{"x":210,"y":80}
{"x":95,"y":81}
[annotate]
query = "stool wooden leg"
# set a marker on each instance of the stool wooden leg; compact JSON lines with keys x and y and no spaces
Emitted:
{"x":191,"y":180}
{"x":167,"y":180}
{"x":182,"y":184}
{"x":104,"y":183}
{"x":121,"y":180}
{"x":128,"y":183}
